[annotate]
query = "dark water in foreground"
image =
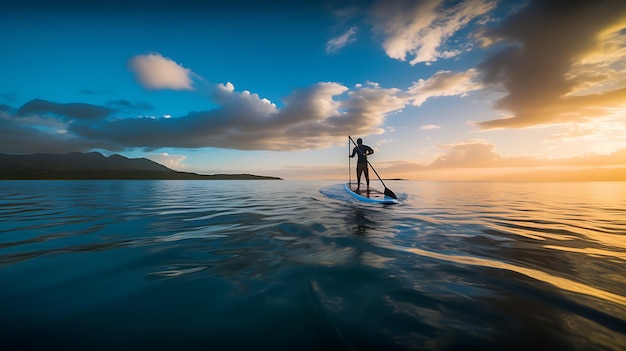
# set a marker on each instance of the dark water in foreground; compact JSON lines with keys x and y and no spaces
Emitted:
{"x":297,"y":265}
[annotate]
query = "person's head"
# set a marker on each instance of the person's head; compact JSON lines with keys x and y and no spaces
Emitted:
{"x":359,"y":141}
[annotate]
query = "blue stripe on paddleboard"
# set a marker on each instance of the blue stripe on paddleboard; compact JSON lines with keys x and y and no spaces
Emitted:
{"x":385,"y":200}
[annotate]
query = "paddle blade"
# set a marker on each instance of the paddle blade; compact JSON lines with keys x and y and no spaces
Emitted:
{"x":390,"y":193}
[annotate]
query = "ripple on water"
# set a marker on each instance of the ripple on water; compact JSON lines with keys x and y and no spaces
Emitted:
{"x":454,"y":265}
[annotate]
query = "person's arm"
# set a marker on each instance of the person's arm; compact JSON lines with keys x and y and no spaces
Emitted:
{"x":369,"y":151}
{"x":353,"y":152}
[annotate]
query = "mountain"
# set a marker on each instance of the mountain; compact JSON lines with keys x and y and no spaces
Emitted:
{"x":94,"y":165}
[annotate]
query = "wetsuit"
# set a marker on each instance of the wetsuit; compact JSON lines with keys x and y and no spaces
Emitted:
{"x":361,"y":165}
{"x":364,"y":151}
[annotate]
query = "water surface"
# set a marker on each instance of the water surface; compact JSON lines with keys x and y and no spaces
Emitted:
{"x":300,"y":265}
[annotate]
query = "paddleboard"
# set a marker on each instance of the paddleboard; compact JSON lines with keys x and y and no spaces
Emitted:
{"x":373,"y":195}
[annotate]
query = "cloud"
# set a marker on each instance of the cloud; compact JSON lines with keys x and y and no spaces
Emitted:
{"x":573,"y":131}
{"x":123,"y":104}
{"x":419,"y":30}
{"x":429,"y":127}
{"x":467,"y":154}
{"x":482,"y":154}
{"x":444,"y":83}
{"x":313,"y":117}
{"x":23,"y":135}
{"x":310,"y":118}
{"x":70,"y":110}
{"x":560,"y":63}
{"x":339,"y":42}
{"x":154,"y":71}
{"x":370,"y":104}
{"x":601,"y":134}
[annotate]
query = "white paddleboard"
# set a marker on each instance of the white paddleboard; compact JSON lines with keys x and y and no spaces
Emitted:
{"x":373,"y":195}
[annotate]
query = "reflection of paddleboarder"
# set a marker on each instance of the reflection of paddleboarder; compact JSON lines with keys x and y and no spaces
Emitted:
{"x":361,"y":166}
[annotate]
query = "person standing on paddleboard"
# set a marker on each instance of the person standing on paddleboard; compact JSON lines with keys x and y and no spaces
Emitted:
{"x":361,"y":165}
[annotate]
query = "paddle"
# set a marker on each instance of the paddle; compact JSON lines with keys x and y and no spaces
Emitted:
{"x":387,"y":191}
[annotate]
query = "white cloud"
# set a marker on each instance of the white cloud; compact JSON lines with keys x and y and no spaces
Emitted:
{"x":373,"y":103}
{"x":444,"y":83}
{"x":339,"y":42}
{"x":429,"y":127}
{"x":420,"y":29}
{"x":154,"y":71}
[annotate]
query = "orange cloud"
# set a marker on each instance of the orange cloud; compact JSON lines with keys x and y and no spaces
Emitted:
{"x":481,"y":154}
{"x":472,"y":154}
{"x":563,"y":63}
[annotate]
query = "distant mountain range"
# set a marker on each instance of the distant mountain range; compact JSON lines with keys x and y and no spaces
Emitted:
{"x":94,"y":165}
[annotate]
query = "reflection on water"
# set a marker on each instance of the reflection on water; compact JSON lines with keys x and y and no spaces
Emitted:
{"x":285,"y":264}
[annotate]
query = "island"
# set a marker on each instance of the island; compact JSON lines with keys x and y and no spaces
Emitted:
{"x":94,"y":165}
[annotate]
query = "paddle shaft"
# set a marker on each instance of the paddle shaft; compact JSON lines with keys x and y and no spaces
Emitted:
{"x":349,"y":165}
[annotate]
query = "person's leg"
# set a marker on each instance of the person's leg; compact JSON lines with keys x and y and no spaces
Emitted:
{"x":367,"y":177}
{"x":359,"y":170}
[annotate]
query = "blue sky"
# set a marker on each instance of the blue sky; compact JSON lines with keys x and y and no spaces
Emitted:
{"x":438,"y":88}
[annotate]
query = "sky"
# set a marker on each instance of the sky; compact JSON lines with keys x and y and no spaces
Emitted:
{"x":440,"y":89}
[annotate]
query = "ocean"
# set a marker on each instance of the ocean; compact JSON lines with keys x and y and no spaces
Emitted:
{"x":299,"y":265}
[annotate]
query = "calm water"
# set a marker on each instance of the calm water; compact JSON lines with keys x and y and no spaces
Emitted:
{"x":298,"y":265}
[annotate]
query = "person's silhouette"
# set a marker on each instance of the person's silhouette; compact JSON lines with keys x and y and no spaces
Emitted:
{"x":361,"y":166}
